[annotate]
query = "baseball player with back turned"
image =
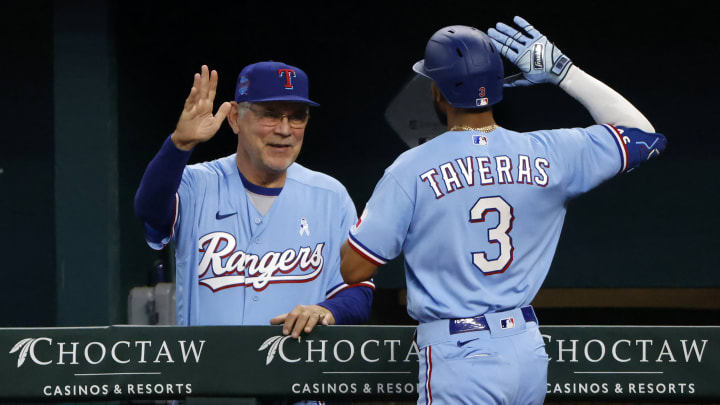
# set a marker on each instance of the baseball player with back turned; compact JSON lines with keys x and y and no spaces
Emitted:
{"x":477,"y":211}
{"x":257,"y":235}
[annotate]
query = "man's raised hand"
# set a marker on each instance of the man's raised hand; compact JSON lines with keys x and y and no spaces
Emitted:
{"x":197,"y":123}
{"x":538,"y":59}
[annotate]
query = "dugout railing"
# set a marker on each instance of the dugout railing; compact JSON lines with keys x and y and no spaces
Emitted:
{"x":347,"y":363}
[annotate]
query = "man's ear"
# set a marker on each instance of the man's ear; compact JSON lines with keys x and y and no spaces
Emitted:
{"x":438,"y":97}
{"x":232,"y":117}
{"x":439,"y":104}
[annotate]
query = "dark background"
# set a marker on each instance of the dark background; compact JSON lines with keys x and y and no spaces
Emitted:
{"x":90,"y":90}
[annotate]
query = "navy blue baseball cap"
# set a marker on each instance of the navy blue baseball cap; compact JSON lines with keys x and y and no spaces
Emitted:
{"x":272,"y":81}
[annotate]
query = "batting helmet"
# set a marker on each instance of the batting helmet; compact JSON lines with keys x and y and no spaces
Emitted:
{"x":464,"y":64}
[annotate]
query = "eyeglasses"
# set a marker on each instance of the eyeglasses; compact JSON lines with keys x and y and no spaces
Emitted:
{"x":271,"y":118}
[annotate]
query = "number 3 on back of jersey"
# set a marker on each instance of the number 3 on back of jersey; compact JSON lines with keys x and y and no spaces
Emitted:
{"x":500,"y":234}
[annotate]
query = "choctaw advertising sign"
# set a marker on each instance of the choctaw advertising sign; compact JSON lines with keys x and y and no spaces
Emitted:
{"x":341,"y":362}
{"x":633,"y":363}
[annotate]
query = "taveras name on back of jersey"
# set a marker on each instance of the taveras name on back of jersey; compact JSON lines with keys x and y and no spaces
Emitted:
{"x":461,"y":172}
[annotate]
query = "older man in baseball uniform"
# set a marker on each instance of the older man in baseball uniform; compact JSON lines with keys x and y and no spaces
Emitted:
{"x":257,"y":236}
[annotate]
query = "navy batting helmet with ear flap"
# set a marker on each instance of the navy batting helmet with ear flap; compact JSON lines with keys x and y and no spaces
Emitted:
{"x":464,"y":64}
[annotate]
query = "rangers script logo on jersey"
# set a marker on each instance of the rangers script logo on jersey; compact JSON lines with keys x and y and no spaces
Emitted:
{"x":222,"y":266}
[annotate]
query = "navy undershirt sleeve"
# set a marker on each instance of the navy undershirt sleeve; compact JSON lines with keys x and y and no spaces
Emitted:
{"x":350,"y":306}
{"x":155,"y":198}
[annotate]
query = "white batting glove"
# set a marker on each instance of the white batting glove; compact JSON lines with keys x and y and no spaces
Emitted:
{"x":539,"y":60}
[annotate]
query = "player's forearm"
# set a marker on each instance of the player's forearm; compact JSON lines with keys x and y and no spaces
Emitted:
{"x":604,"y":104}
{"x":350,"y":306}
{"x":155,"y":198}
{"x":353,"y":267}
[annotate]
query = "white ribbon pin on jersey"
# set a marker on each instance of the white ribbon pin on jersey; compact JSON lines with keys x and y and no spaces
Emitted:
{"x":304,"y":227}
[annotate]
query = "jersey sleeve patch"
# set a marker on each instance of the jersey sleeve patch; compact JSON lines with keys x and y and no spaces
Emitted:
{"x":368,"y":254}
{"x":341,"y":287}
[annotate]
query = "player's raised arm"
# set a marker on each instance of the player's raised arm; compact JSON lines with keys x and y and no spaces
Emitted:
{"x":540,"y":61}
{"x":155,"y":201}
{"x":197,"y":123}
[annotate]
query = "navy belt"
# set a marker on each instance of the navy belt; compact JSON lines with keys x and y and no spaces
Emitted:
{"x":478,"y":323}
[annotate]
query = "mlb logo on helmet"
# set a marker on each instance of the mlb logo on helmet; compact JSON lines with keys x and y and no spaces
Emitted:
{"x":272,"y":81}
{"x":507,"y":323}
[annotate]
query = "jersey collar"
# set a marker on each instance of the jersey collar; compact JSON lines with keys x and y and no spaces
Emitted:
{"x":269,"y":191}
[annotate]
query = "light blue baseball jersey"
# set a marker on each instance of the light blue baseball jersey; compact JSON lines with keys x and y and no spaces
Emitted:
{"x":238,"y":267}
{"x":478,"y":215}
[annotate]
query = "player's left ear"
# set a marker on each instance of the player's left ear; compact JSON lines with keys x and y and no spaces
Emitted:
{"x":437,"y":94}
{"x":439,"y":103}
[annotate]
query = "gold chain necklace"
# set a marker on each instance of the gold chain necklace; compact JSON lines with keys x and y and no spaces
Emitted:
{"x":486,"y":129}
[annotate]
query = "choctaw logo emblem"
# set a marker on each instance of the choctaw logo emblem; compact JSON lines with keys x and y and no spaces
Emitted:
{"x":23,"y":346}
{"x":274,"y":344}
